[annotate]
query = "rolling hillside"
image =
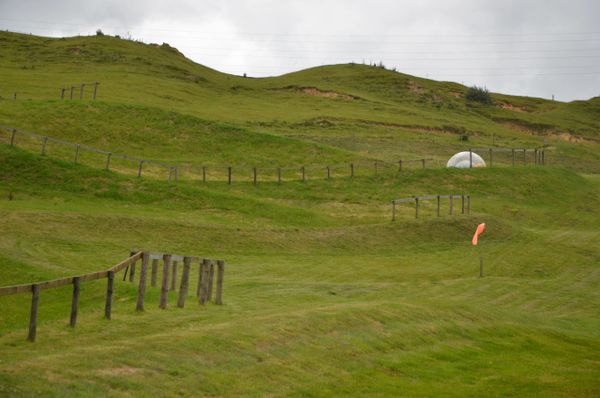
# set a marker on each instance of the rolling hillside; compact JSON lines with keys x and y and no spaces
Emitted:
{"x":324,"y":295}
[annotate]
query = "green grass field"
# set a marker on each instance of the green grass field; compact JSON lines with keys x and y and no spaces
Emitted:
{"x":324,"y":295}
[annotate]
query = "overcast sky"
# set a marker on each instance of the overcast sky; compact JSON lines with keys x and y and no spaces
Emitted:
{"x":529,"y":47}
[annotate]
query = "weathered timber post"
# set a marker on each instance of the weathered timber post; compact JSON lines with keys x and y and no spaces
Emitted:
{"x":229,"y":175}
{"x":393,"y":210}
{"x":204,"y":281}
{"x":254,"y":175}
{"x":220,"y":274}
{"x":35,"y":301}
{"x":81,"y":91}
{"x":142,"y":285}
{"x":12,"y":137}
{"x":535,"y":156}
{"x":173,"y":275}
{"x":543,"y":157}
{"x":44,"y":145}
{"x":399,"y":165}
{"x":491,"y":156}
{"x":438,"y":205}
{"x":451,"y":203}
{"x":279,"y":175}
{"x":417,"y":207}
{"x":303,"y":169}
{"x":211,"y":275}
{"x":423,"y":160}
{"x":468,"y":204}
{"x":154,"y":272}
{"x":203,"y":173}
{"x":199,"y":285}
{"x":62,"y":93}
{"x":462,"y":203}
{"x":140,"y":168}
{"x":95,"y":89}
{"x":75,"y":301}
{"x":185,"y":278}
{"x":351,"y":169}
{"x":164,"y":289}
{"x":108,"y":156}
{"x":71,"y":97}
{"x":132,"y":268}
{"x":470,"y":158}
{"x":76,"y":160}
{"x":15,"y":96}
{"x":524,"y":157}
{"x":376,"y":168}
{"x":328,"y":172}
{"x":513,"y":157}
{"x":109,"y":294}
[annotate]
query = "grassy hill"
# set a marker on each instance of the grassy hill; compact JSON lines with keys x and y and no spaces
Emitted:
{"x":324,"y":295}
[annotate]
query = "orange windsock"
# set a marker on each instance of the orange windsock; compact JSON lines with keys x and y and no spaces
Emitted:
{"x":480,"y":229}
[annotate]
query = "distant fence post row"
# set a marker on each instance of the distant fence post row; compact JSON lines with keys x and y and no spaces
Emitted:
{"x":205,"y":287}
{"x":516,"y":155}
{"x":465,"y":203}
{"x":81,"y":87}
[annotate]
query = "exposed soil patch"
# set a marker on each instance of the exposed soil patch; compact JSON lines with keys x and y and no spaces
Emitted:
{"x":122,"y":371}
{"x":415,"y":88}
{"x":316,"y":92}
{"x":511,"y":107}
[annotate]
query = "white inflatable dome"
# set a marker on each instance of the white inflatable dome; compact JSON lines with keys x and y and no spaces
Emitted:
{"x":462,"y":160}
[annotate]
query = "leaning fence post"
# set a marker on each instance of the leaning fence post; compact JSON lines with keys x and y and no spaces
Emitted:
{"x":109,"y":294}
{"x":174,"y":275}
{"x":393,"y":210}
{"x":154,"y":272}
{"x":35,"y":300}
{"x":417,"y":207}
{"x":108,"y":156}
{"x":185,"y":277}
{"x":211,"y":274}
{"x":220,"y":274}
{"x":142,"y":285}
{"x":77,"y":153}
{"x":12,"y":137}
{"x":164,"y":290}
{"x":75,"y":301}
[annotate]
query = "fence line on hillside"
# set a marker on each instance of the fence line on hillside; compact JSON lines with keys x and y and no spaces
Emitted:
{"x":81,"y":87}
{"x":253,"y":174}
{"x":206,"y":273}
{"x":465,"y":200}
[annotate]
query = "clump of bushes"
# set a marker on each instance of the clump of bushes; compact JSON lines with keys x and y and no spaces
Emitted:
{"x":479,"y":94}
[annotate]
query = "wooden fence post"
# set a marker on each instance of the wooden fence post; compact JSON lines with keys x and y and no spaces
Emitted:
{"x":12,"y":137}
{"x":62,"y":93}
{"x":174,"y":275}
{"x":328,"y":172}
{"x":75,"y":301}
{"x":423,"y":160}
{"x":351,"y":169}
{"x":154,"y":272}
{"x":211,"y":275}
{"x":72,"y":87}
{"x":76,"y":160}
{"x":229,"y":175}
{"x":109,"y":294}
{"x":543,"y":157}
{"x":303,"y":169}
{"x":204,"y":281}
{"x":108,"y":156}
{"x":451,"y":203}
{"x":185,"y":277}
{"x":535,"y":156}
{"x":417,"y":207}
{"x":376,"y":168}
{"x":468,"y":204}
{"x":393,"y":210}
{"x":513,"y":157}
{"x":462,"y":199}
{"x":35,"y":301}
{"x":438,"y":205}
{"x":254,"y":175}
{"x":399,"y":165}
{"x":95,"y":89}
{"x":140,"y":168}
{"x":524,"y":157}
{"x":491,"y":156}
{"x":470,"y":158}
{"x":203,"y":173}
{"x":81,"y":91}
{"x":44,"y":146}
{"x":142,"y":285}
{"x":164,"y":290}
{"x":199,"y":285}
{"x":220,"y":274}
{"x":132,"y":269}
